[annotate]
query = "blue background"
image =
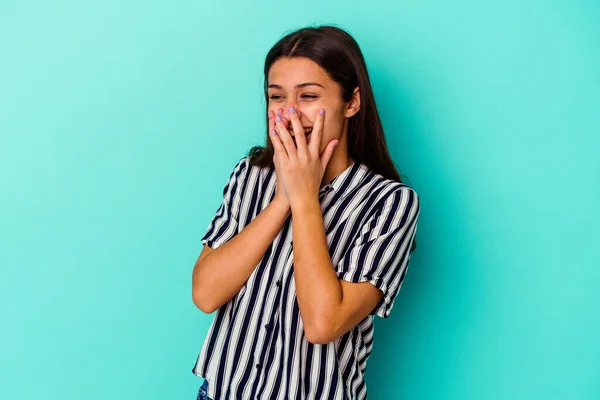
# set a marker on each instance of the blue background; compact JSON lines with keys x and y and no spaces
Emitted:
{"x":120,"y":122}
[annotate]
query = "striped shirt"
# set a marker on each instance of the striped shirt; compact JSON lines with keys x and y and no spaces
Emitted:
{"x":256,"y":347}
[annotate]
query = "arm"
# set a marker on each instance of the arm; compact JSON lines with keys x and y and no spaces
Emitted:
{"x":220,"y":273}
{"x":329,"y":306}
{"x":335,"y":298}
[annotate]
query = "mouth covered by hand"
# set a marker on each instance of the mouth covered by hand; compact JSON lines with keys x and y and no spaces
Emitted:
{"x":307,"y":132}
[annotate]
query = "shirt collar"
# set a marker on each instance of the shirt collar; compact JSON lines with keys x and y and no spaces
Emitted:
{"x":347,"y":179}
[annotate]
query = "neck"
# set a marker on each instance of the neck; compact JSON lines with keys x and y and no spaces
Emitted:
{"x":335,"y":167}
{"x":339,"y":161}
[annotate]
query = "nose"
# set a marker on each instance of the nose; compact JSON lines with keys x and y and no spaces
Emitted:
{"x":287,"y":113}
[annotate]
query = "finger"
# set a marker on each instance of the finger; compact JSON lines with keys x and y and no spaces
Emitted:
{"x":285,"y":137}
{"x":286,"y":122}
{"x":277,"y":144}
{"x":270,"y":129}
{"x":326,"y":156}
{"x":271,"y":121}
{"x":317,"y":131}
{"x":298,"y":132}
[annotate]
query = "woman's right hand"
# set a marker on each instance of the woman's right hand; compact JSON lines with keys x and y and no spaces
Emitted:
{"x":280,"y":196}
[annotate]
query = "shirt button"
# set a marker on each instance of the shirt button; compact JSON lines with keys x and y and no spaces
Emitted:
{"x":278,"y":283}
{"x":267,"y":326}
{"x":258,"y":366}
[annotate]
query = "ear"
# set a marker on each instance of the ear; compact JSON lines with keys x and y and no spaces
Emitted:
{"x":354,"y":103}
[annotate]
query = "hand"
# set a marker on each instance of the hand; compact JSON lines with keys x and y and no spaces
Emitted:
{"x":280,"y":196}
{"x":300,"y":167}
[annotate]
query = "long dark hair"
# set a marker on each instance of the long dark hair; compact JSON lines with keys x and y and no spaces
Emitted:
{"x":336,"y":51}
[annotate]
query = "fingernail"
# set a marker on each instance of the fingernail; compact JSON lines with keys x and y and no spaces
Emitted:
{"x":274,"y":132}
{"x":279,"y":111}
{"x":322,"y":111}
{"x":292,"y":109}
{"x":278,"y":118}
{"x":271,"y":114}
{"x":336,"y":143}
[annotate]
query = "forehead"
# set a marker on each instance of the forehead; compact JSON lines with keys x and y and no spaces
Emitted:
{"x":289,"y":72}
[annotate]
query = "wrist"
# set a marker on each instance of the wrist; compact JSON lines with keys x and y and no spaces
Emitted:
{"x":303,"y":205}
{"x":282,"y":205}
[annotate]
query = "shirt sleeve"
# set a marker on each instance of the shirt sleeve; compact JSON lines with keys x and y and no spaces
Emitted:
{"x":381,"y":252}
{"x":224,"y":225}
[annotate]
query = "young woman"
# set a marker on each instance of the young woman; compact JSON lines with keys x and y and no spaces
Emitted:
{"x":313,"y":237}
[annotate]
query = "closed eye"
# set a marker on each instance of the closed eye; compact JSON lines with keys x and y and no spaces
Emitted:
{"x":304,"y":96}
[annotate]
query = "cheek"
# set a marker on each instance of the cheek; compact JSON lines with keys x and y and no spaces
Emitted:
{"x":332,"y":125}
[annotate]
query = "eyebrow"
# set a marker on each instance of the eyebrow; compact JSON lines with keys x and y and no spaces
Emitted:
{"x":302,"y":85}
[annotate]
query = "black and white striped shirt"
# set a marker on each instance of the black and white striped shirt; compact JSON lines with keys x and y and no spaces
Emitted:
{"x":256,"y":348}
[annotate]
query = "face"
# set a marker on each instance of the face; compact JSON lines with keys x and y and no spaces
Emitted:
{"x":301,"y":83}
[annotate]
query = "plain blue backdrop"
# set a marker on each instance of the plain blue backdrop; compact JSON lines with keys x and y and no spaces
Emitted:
{"x":120,"y":122}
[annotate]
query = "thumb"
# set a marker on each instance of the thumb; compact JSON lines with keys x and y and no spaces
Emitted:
{"x":326,"y":156}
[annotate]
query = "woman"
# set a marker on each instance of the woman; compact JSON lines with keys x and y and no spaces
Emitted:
{"x":313,"y":237}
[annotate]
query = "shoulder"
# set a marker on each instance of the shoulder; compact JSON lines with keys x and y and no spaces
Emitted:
{"x":248,"y":175}
{"x":241,"y":168}
{"x":245,"y":164}
{"x":388,"y":193}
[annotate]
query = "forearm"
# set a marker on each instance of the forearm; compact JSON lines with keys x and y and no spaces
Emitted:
{"x":318,"y":288}
{"x":219,"y":275}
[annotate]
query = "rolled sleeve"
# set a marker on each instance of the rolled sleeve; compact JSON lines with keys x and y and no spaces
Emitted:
{"x":225,"y":223}
{"x":381,"y":253}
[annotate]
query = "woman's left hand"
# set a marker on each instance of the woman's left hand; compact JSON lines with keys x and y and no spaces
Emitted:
{"x":300,"y":167}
